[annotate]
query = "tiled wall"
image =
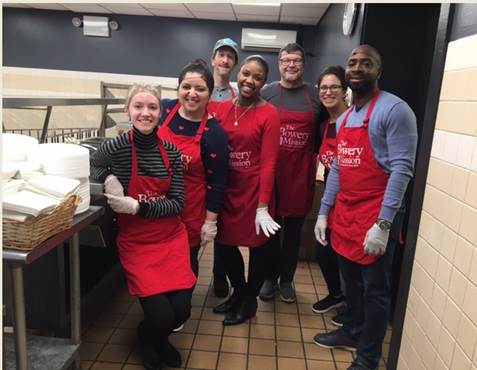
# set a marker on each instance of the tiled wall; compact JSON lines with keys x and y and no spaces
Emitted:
{"x":440,"y":328}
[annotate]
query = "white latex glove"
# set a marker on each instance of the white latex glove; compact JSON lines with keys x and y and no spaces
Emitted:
{"x":320,"y":229}
{"x":375,"y":241}
{"x":113,"y":186}
{"x":208,"y":231}
{"x":266,"y":222}
{"x":123,"y":204}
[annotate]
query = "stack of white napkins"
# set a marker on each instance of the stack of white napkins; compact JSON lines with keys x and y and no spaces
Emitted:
{"x":29,"y":203}
{"x":53,"y":186}
{"x":12,"y":186}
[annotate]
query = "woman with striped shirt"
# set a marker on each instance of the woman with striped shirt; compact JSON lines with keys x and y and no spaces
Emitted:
{"x":144,"y":186}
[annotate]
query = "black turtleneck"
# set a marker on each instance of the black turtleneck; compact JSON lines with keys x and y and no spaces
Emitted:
{"x":114,"y":157}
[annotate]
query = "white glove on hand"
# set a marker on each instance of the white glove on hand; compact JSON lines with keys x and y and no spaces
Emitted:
{"x":320,"y":229}
{"x":113,"y":186}
{"x":266,"y":222}
{"x":123,"y":204}
{"x":375,"y":241}
{"x":208,"y":231}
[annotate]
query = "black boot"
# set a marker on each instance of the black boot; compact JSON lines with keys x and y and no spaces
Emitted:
{"x":247,"y":309}
{"x":234,"y":301}
{"x":150,"y":357}
{"x":169,"y":355}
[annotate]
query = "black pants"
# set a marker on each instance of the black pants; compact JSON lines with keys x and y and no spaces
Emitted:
{"x":194,"y":259}
{"x":282,"y":249}
{"x":219,"y":268}
{"x":328,"y":261}
{"x":164,"y":312}
{"x":235,"y":269}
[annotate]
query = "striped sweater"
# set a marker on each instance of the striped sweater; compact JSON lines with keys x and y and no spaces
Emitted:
{"x":114,"y":157}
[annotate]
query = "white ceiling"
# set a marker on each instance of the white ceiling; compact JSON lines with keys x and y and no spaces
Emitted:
{"x":296,"y":13}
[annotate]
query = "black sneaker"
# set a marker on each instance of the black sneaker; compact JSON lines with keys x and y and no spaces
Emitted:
{"x":327,"y":303}
{"x":337,"y":320}
{"x":268,"y":290}
{"x":335,"y":339}
{"x":357,"y":366}
{"x":287,"y":292}
{"x":221,"y":286}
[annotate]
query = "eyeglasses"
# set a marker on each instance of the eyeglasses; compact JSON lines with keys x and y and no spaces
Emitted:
{"x":332,"y":88}
{"x":287,"y":62}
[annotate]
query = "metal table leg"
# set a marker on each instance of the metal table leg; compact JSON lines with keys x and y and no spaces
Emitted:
{"x":75,"y":296}
{"x":19,"y":316}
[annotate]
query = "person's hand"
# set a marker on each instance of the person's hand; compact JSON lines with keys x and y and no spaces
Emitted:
{"x":208,"y":231}
{"x":113,"y":186}
{"x":264,"y":221}
{"x":123,"y":204}
{"x":320,"y":229}
{"x":375,"y":241}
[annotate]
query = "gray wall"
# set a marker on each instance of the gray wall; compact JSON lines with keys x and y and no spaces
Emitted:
{"x":156,"y":46}
{"x":464,"y":21}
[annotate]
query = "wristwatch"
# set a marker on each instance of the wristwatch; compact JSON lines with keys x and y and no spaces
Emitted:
{"x":383,"y":224}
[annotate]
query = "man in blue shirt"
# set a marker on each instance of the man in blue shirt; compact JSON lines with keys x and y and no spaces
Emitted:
{"x":376,"y":148}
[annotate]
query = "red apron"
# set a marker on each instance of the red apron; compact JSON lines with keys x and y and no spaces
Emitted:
{"x":296,"y":165}
{"x":327,"y":151}
{"x":236,"y":223}
{"x":362,"y":184}
{"x":194,"y":212}
{"x":212,"y":105}
{"x":153,"y":252}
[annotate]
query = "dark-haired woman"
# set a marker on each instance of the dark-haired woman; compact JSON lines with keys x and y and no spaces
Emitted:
{"x":332,"y":92}
{"x":253,"y":129}
{"x":203,"y":145}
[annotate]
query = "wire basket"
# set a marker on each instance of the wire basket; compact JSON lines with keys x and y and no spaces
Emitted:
{"x":28,"y":234}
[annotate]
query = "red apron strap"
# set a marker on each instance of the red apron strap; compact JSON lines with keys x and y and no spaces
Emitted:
{"x":201,"y":128}
{"x":371,"y":107}
{"x":232,"y":92}
{"x":171,"y":114}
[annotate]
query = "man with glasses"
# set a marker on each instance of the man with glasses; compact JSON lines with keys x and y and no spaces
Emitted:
{"x":376,"y":148}
{"x":297,"y":107}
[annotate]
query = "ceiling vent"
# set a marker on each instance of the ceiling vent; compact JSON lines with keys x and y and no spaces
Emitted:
{"x":266,"y":39}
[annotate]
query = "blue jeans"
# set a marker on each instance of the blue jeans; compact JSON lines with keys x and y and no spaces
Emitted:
{"x":368,"y":299}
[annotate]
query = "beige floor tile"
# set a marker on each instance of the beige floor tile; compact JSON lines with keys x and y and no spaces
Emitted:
{"x":206,"y":342}
{"x":190,"y":326}
{"x":132,"y":367}
{"x":202,"y":360}
{"x":342,"y":365}
{"x":118,"y":306}
{"x":201,"y":288}
{"x":90,"y":351}
{"x":106,"y":366}
{"x":312,"y":321}
{"x":136,"y":309}
{"x":308,"y":334}
{"x":305,"y":308}
{"x":134,"y":357}
{"x":114,"y":353}
{"x":305,"y":288}
{"x":256,"y":362}
{"x":234,"y":345}
{"x":341,"y":355}
{"x":195,"y":313}
{"x":212,"y":301}
{"x":241,"y":330}
{"x":283,"y":307}
{"x":290,"y":349}
{"x":267,"y":306}
{"x":85,"y":365}
{"x":264,"y":318}
{"x":306,"y":298}
{"x":262,"y":347}
{"x":262,"y":331}
{"x":320,"y":365}
{"x":232,"y":361}
{"x":287,"y":319}
{"x":208,"y":314}
{"x":181,"y":340}
{"x":302,"y":279}
{"x":289,"y":333}
{"x":285,"y":363}
{"x":123,"y":336}
{"x":130,"y":321}
{"x":198,"y":300}
{"x":97,"y":335}
{"x":314,"y":352}
{"x":210,"y":327}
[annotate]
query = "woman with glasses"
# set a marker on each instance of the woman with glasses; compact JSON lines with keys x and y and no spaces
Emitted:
{"x":332,"y":91}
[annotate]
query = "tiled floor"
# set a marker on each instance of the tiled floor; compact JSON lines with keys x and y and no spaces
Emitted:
{"x":279,"y":337}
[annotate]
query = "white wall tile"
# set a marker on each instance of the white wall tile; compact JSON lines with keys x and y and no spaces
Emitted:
{"x":446,"y":347}
{"x":451,"y":149}
{"x":468,"y":222}
{"x":470,"y":303}
{"x":461,"y":53}
{"x":467,"y":336}
{"x":457,"y":287}
{"x":460,"y":361}
{"x":463,"y":255}
{"x":438,"y":144}
{"x":473,"y":164}
{"x":451,"y":317}
{"x":465,"y":150}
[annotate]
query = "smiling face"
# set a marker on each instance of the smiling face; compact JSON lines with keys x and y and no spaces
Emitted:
{"x":144,"y":110}
{"x":193,"y":93}
{"x":291,"y":66}
{"x":363,"y":70}
{"x":331,"y":92}
{"x":223,"y":61}
{"x":250,"y":79}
